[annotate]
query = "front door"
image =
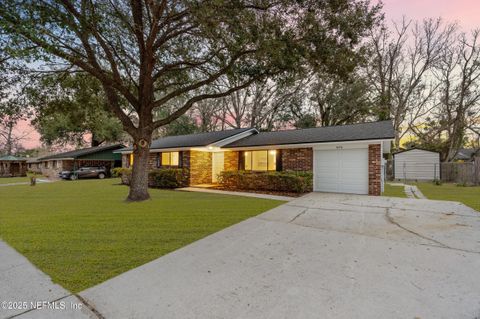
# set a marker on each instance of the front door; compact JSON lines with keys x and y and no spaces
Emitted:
{"x":217,"y":165}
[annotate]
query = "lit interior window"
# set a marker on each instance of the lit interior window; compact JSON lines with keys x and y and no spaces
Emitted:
{"x":248,"y":161}
{"x":272,"y":160}
{"x":170,"y":158}
{"x":130,"y":160}
{"x":165,"y":159}
{"x":174,"y":159}
{"x":261,"y":160}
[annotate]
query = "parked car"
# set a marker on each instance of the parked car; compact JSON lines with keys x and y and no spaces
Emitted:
{"x":84,"y":172}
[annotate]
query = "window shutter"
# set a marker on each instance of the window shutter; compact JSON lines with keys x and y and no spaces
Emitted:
{"x":160,"y":159}
{"x":241,"y":161}
{"x":279,"y":160}
{"x":180,"y":159}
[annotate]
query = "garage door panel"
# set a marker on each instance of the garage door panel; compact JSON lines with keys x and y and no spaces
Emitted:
{"x":341,"y":170}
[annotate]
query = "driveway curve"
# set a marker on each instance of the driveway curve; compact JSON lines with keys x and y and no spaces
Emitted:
{"x":319,"y":256}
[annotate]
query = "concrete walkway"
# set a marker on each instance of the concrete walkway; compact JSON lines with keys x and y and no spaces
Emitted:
{"x":413,"y":192}
{"x":246,"y":194}
{"x":410,"y":190}
{"x":39,"y":181}
{"x":321,"y":255}
{"x":23,"y":287}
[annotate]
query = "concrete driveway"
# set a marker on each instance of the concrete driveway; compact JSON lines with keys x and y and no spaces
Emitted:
{"x":320,"y":256}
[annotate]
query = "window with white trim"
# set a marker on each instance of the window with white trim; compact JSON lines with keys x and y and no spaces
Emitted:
{"x":170,"y":159}
{"x":264,"y":160}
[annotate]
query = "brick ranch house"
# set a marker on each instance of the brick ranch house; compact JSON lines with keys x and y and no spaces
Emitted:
{"x":344,"y":159}
{"x":13,"y":166}
{"x":52,"y":165}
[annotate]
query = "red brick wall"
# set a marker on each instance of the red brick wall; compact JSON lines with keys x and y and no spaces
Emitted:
{"x":374,"y":170}
{"x":200,"y":167}
{"x":231,"y":160}
{"x":297,"y":159}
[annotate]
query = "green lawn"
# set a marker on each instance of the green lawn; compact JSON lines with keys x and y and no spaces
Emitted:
{"x":83,"y":233}
{"x":470,"y":196}
{"x":394,"y":191}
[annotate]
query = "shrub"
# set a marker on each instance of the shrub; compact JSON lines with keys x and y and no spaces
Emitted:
{"x":437,"y":182}
{"x":124,"y":173}
{"x":168,"y":178}
{"x":119,"y":171}
{"x":288,"y":181}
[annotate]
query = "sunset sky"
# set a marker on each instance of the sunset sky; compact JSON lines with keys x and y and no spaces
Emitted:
{"x":465,"y":12}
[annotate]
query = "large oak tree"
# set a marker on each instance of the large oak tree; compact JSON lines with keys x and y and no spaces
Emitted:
{"x":150,"y":54}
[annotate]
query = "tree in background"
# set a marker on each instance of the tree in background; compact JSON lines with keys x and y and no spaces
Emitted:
{"x":400,"y":68}
{"x":338,"y":101}
{"x":69,"y":106}
{"x":13,"y":107}
{"x":148,"y":53}
{"x":265,"y":104}
{"x":456,"y":108}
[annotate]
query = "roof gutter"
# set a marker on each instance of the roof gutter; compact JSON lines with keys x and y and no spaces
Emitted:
{"x":300,"y":145}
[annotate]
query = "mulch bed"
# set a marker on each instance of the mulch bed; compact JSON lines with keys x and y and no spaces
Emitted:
{"x":289,"y":194}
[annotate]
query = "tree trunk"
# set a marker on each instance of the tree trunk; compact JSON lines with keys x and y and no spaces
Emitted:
{"x":9,"y":143}
{"x":139,"y":180}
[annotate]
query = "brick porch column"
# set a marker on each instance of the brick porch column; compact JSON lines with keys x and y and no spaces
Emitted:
{"x":374,"y":170}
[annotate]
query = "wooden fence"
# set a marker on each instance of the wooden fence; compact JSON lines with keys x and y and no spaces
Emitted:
{"x":462,"y":173}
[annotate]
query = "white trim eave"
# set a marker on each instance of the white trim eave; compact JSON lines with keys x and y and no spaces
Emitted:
{"x":212,"y":148}
{"x":57,"y":159}
{"x":302,"y":145}
{"x":233,"y":138}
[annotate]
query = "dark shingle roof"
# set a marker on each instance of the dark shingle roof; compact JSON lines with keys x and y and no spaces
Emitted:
{"x":353,"y":132}
{"x":11,"y":158}
{"x":82,"y":152}
{"x":466,"y":153}
{"x":192,"y":140}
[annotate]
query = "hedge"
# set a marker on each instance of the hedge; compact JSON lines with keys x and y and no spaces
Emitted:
{"x":158,"y":178}
{"x":288,"y":181}
{"x":168,"y":178}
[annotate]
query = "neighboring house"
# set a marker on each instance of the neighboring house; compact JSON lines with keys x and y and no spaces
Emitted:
{"x":416,"y":164}
{"x":52,"y":165}
{"x":13,"y":166}
{"x":346,"y":159}
{"x":33,"y":165}
{"x":467,"y":154}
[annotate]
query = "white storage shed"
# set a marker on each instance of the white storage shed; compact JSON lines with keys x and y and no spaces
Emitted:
{"x":416,"y":164}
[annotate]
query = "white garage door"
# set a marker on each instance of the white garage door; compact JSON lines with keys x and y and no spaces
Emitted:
{"x":341,"y":171}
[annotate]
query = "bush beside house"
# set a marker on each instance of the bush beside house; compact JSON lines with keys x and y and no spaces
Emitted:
{"x":158,"y":178}
{"x":287,"y":181}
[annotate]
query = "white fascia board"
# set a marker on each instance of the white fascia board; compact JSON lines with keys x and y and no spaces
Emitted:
{"x":159,"y":150}
{"x":57,"y":159}
{"x":386,"y":146}
{"x":233,"y":138}
{"x":303,"y":145}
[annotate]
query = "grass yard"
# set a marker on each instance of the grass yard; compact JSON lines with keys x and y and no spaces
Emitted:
{"x":394,"y":191}
{"x":83,"y":233}
{"x":470,"y":196}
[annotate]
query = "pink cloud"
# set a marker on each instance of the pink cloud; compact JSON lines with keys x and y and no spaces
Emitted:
{"x":31,"y":136}
{"x":464,"y":12}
